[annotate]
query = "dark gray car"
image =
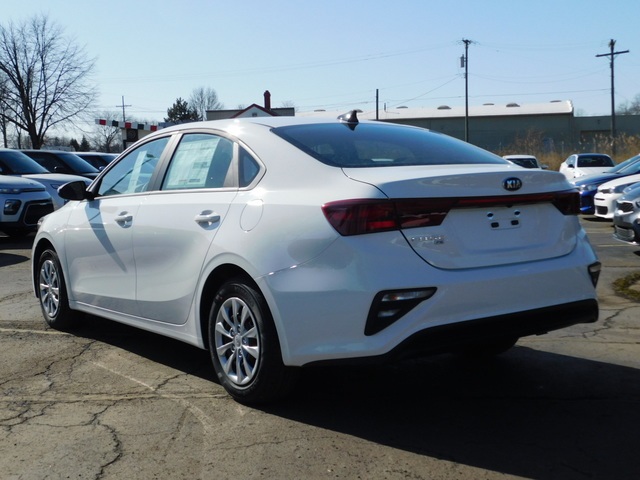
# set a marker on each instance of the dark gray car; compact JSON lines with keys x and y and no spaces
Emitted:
{"x":63,"y":162}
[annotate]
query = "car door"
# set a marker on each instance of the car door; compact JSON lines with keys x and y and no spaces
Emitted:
{"x":176,"y":225}
{"x":100,"y":254}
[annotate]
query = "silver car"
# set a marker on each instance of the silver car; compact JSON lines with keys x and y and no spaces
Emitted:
{"x":22,"y":203}
{"x":626,"y":218}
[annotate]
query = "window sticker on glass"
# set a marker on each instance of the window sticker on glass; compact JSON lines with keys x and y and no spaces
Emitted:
{"x":191,"y":165}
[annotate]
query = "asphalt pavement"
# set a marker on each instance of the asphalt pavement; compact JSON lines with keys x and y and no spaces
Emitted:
{"x":108,"y":401}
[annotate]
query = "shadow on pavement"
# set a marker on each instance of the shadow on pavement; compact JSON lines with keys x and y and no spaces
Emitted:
{"x":526,"y":413}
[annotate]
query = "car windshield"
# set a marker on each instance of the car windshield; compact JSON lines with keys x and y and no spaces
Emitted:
{"x":17,"y":163}
{"x":381,"y":145}
{"x":587,"y":161}
{"x":76,"y":163}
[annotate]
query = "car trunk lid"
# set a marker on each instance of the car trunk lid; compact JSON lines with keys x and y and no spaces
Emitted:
{"x":487,"y":215}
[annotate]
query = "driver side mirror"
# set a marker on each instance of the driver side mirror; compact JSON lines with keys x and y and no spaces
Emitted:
{"x":75,"y":191}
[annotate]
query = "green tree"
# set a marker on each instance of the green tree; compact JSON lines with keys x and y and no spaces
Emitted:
{"x":84,"y":145}
{"x":73,"y":143}
{"x":180,"y":112}
{"x":46,"y":77}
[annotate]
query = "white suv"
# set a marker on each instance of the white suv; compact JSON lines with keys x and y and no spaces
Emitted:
{"x":23,"y":202}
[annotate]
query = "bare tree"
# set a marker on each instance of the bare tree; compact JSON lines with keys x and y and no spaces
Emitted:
{"x":3,"y":120}
{"x":203,"y":99}
{"x":106,"y":138}
{"x":47,"y":77}
{"x":630,"y":108}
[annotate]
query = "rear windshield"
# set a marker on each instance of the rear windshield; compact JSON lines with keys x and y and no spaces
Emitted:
{"x":381,"y":145}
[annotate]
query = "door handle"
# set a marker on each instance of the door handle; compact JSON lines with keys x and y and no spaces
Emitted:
{"x":207,"y":218}
{"x":124,"y":218}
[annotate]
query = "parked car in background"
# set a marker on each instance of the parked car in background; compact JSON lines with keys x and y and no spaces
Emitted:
{"x":57,"y":161}
{"x":525,"y":161}
{"x":281,"y":242}
{"x":580,"y":164}
{"x":22,"y":203}
{"x":16,"y":163}
{"x":626,"y":217}
{"x":97,"y":159}
{"x":588,"y":184}
{"x":609,"y":192}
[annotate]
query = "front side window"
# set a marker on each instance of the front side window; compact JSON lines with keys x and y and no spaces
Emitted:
{"x":133,"y":172}
{"x":200,"y":161}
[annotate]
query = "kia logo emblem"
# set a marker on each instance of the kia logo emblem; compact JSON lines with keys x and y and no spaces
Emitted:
{"x":512,"y":184}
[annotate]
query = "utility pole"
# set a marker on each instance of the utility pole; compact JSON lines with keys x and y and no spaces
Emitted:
{"x":612,"y":56}
{"x":124,"y":119}
{"x":464,"y":62}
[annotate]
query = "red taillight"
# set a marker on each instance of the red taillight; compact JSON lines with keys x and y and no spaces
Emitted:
{"x":356,"y":217}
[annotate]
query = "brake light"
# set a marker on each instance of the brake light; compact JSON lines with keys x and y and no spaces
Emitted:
{"x":356,"y":217}
{"x":360,"y":216}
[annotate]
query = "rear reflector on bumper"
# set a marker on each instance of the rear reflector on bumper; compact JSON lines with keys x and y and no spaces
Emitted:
{"x":389,"y":306}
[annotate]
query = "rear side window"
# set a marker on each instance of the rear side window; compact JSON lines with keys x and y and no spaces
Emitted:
{"x":381,"y":145}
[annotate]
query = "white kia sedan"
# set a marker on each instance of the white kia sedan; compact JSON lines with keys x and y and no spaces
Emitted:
{"x":277,"y":243}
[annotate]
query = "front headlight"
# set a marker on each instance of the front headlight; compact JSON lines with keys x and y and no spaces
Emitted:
{"x":588,"y":188}
{"x":11,"y":190}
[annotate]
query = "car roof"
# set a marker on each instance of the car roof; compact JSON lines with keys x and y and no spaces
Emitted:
{"x":269,"y":122}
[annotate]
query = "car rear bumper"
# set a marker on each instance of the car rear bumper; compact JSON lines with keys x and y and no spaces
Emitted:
{"x":322,"y":308}
{"x":454,"y":337}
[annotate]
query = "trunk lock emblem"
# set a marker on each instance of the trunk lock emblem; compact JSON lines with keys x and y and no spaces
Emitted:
{"x":512,"y":184}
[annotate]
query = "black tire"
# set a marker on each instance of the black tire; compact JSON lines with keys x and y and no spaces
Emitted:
{"x":52,"y":293}
{"x":490,"y":348}
{"x":244,"y":345}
